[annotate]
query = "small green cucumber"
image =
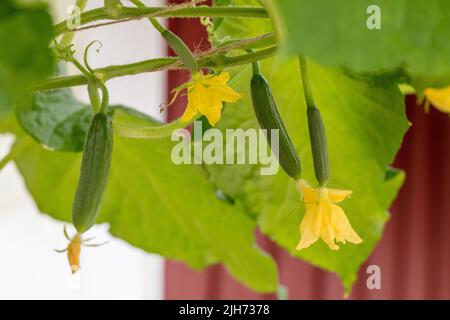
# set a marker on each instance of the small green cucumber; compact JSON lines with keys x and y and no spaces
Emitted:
{"x":317,"y":134}
{"x":319,"y":145}
{"x":94,"y":172}
{"x":269,"y":118}
{"x":181,"y":50}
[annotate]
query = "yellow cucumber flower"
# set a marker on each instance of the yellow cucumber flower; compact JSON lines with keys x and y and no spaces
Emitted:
{"x":439,"y":98}
{"x":323,"y":218}
{"x":73,"y":253}
{"x":206,"y":95}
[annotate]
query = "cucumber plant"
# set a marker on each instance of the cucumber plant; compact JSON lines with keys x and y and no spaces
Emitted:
{"x":269,"y":119}
{"x":183,"y":214}
{"x":96,"y":160}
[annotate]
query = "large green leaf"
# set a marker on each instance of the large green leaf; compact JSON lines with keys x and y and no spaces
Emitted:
{"x":55,"y":119}
{"x":414,"y":35}
{"x":25,"y":57}
{"x":365,"y":121}
{"x":155,"y":205}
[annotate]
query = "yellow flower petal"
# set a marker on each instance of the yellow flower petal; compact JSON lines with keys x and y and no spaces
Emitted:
{"x":323,"y":218}
{"x":327,"y":231}
{"x":206,"y":94}
{"x":439,"y":98}
{"x":206,"y":103}
{"x":225,"y":94}
{"x":213,"y":112}
{"x":343,"y":229}
{"x":309,"y":194}
{"x":190,"y":112}
{"x":309,"y":230}
{"x":337,"y":196}
{"x":73,"y":253}
{"x":220,"y":79}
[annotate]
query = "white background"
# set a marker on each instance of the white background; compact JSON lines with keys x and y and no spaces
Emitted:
{"x":29,"y":268}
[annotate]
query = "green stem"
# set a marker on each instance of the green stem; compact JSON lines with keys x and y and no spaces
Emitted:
{"x":158,"y":26}
{"x":255,"y":64}
{"x":255,"y":67}
{"x":68,"y":37}
{"x":86,"y":52}
{"x":154,"y":22}
{"x":9,"y":157}
{"x":177,"y":45}
{"x":93,"y":81}
{"x":306,"y":83}
{"x":277,"y":22}
{"x":182,"y":12}
{"x":93,"y":96}
{"x":157,"y":132}
{"x":83,"y":70}
{"x":208,"y":60}
{"x":105,"y":97}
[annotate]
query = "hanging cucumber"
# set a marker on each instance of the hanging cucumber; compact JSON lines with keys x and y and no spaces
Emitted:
{"x":95,"y":164}
{"x":269,"y":118}
{"x":94,"y":172}
{"x":317,"y":134}
{"x":319,"y":145}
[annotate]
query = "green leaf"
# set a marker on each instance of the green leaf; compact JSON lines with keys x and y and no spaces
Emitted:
{"x":25,"y":57}
{"x":255,"y":28}
{"x":414,"y":35}
{"x":8,"y":124}
{"x":155,"y":205}
{"x":220,"y":3}
{"x":365,"y":122}
{"x":55,"y":119}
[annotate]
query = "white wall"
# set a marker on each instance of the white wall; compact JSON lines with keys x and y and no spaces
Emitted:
{"x":29,"y":268}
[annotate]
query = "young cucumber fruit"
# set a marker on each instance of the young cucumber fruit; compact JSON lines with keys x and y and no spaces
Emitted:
{"x":319,"y":145}
{"x":269,"y":118}
{"x":317,"y":134}
{"x":94,"y":173}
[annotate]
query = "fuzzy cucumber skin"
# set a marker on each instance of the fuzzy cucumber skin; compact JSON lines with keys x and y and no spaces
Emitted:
{"x":319,"y":145}
{"x":269,"y":118}
{"x":181,"y":50}
{"x":94,"y":172}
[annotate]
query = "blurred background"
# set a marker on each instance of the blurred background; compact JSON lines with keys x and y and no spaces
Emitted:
{"x":413,"y":255}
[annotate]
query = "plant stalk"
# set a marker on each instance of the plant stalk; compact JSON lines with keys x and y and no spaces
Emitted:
{"x":127,"y":14}
{"x":153,"y":132}
{"x":306,"y":83}
{"x":175,"y":42}
{"x":211,"y":59}
{"x":67,"y":38}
